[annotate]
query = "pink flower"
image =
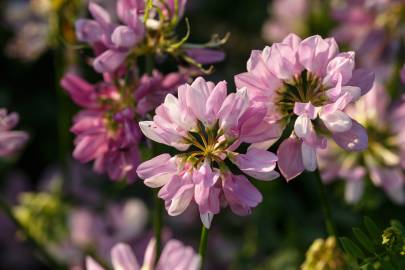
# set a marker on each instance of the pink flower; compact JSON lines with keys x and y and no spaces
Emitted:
{"x":286,"y":16}
{"x":373,"y":29}
{"x":112,"y":42}
{"x":309,"y":83}
{"x":382,"y":161}
{"x":120,"y":222}
{"x":106,"y":129}
{"x":174,"y":256}
{"x":11,"y":141}
{"x":153,"y":89}
{"x":208,"y":126}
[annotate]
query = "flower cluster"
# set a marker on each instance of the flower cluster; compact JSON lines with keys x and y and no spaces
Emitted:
{"x":10,"y":141}
{"x":208,"y":126}
{"x":307,"y":84}
{"x":106,"y":129}
{"x":143,"y":29}
{"x":372,"y":28}
{"x":281,"y":23}
{"x":382,"y":160}
{"x":174,"y":256}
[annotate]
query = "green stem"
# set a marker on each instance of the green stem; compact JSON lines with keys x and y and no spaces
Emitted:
{"x":43,"y":253}
{"x":149,"y":64}
{"x":157,"y":223}
{"x":203,"y":245}
{"x":330,"y":227}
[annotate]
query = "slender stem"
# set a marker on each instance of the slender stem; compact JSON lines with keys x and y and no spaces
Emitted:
{"x":149,"y":65}
{"x":330,"y":227}
{"x":42,"y":252}
{"x":203,"y":245}
{"x":157,"y":223}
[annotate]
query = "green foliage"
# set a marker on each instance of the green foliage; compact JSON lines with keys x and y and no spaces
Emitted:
{"x":374,"y":248}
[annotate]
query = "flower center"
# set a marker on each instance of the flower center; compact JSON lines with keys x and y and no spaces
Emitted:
{"x":206,"y":143}
{"x":305,"y":87}
{"x":383,"y":147}
{"x":392,"y":18}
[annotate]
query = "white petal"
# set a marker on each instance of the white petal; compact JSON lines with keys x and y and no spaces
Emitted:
{"x":150,"y":255}
{"x":91,"y":264}
{"x":207,"y":219}
{"x":148,"y":128}
{"x":302,"y":126}
{"x":181,"y":202}
{"x":263,"y":145}
{"x":354,"y":191}
{"x":337,"y":121}
{"x":308,"y":157}
{"x":354,"y":91}
{"x":397,"y":195}
{"x":158,"y":180}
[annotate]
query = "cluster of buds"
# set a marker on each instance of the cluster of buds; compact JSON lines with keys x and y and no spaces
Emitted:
{"x":324,"y":255}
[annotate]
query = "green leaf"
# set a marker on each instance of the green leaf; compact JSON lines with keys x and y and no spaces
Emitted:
{"x":364,"y":240}
{"x":367,"y":266}
{"x":372,"y":229}
{"x":398,"y":225}
{"x":387,"y":265}
{"x":351,"y":248}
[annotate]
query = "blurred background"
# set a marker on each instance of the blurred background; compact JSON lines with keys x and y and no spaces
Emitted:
{"x":75,"y":212}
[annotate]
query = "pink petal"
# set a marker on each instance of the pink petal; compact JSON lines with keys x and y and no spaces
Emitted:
{"x":100,"y":14}
{"x":109,"y":61}
{"x":315,"y":53}
{"x":284,"y":61}
{"x":177,"y":256}
{"x":305,"y":109}
{"x":362,"y":78}
{"x":149,"y":258}
{"x":343,"y":65}
{"x":337,"y":121}
{"x":241,"y":194}
{"x":181,"y":200}
{"x":123,"y":258}
{"x":88,"y":31}
{"x":257,"y":163}
{"x":290,"y":158}
{"x":232,"y":109}
{"x":293,"y":41}
{"x":8,"y":121}
{"x":309,"y":157}
{"x":88,"y":148}
{"x":157,"y":171}
{"x":12,"y":142}
{"x":354,"y":139}
{"x":126,"y":7}
{"x":123,"y":37}
{"x":80,"y":91}
{"x":205,"y":56}
{"x":215,"y":100}
{"x":91,"y":264}
{"x":391,"y":180}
